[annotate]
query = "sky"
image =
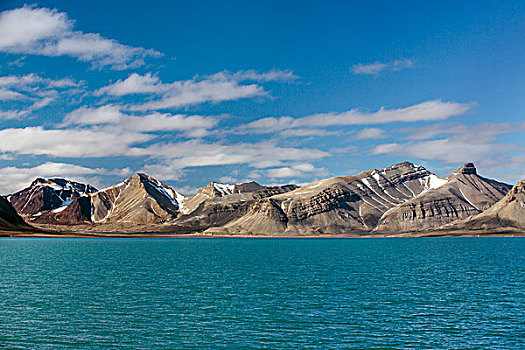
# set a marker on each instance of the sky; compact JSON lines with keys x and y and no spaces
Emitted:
{"x":269,"y":91}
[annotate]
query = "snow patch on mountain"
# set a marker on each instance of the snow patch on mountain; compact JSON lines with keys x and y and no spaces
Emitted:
{"x":224,"y":189}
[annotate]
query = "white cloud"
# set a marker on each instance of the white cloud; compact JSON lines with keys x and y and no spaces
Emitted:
{"x":14,"y":178}
{"x":47,"y":32}
{"x":458,"y":144}
{"x":296,"y":170}
{"x":307,"y":132}
{"x":378,"y":67}
{"x":8,"y":95}
{"x":402,"y":64}
{"x":95,"y":142}
{"x":195,"y":153}
{"x":193,"y":126}
{"x":369,"y":69}
{"x":135,"y":84}
{"x":370,"y":133}
{"x":252,"y":75}
{"x":20,"y":113}
{"x":163,"y":171}
{"x":181,"y":93}
{"x":35,"y":92}
{"x":31,"y":82}
{"x":425,"y":111}
{"x":164,"y":160}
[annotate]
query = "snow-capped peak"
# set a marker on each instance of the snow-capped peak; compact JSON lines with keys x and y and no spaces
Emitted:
{"x":224,"y":189}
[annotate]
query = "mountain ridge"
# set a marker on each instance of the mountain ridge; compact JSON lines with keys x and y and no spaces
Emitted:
{"x":401,"y":198}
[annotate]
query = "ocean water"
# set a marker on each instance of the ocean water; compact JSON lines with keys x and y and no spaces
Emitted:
{"x":438,"y":293}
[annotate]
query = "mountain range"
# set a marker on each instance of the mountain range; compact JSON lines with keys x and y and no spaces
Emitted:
{"x":400,"y":199}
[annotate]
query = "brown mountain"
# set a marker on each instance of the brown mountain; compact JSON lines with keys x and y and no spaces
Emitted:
{"x":9,"y":218}
{"x":337,"y":205}
{"x":460,"y":195}
{"x":401,"y":198}
{"x":140,"y":199}
{"x":217,"y":204}
{"x":45,"y":197}
{"x":506,"y":215}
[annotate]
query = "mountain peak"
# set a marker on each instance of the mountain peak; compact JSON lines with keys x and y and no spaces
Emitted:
{"x":467,"y":169}
{"x":58,"y":184}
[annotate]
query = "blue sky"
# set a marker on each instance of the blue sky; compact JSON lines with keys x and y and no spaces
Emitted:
{"x":276,"y":92}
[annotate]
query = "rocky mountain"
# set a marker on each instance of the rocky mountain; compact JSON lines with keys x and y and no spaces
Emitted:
{"x":217,"y":204}
{"x":9,"y":218}
{"x":45,"y":197}
{"x":140,"y":199}
{"x":506,"y":215}
{"x":401,"y":198}
{"x":460,"y":195}
{"x":337,"y":205}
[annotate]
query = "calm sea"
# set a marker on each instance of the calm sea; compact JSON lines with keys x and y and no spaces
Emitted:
{"x":444,"y":293}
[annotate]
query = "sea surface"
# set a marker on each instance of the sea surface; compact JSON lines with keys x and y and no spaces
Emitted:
{"x":435,"y":293}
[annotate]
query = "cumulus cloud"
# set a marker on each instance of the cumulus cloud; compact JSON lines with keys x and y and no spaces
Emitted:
{"x":94,"y":142}
{"x":458,"y":144}
{"x":167,"y":160}
{"x":16,"y":178}
{"x":111,"y":115}
{"x":215,"y":88}
{"x":378,"y":67}
{"x":30,"y":82}
{"x":8,"y":95}
{"x":196,"y":153}
{"x":369,"y":69}
{"x":299,"y":170}
{"x":34,"y":91}
{"x":47,"y":32}
{"x":425,"y":111}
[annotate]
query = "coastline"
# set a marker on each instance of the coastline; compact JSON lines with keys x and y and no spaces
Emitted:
{"x":84,"y":234}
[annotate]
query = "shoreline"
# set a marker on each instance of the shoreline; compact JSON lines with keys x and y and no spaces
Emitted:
{"x":434,"y":234}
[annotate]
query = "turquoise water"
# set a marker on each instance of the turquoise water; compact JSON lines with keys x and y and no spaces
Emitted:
{"x":262,"y":293}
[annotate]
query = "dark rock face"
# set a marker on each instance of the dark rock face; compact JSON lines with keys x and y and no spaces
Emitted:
{"x":46,"y":195}
{"x":9,"y":218}
{"x":468,"y":169}
{"x":78,"y":212}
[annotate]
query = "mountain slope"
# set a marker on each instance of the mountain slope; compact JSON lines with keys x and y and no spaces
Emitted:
{"x":44,"y":196}
{"x":9,"y":218}
{"x":140,"y":199}
{"x":463,"y":194}
{"x":336,"y":205}
{"x":217,"y":204}
{"x":507,"y":214}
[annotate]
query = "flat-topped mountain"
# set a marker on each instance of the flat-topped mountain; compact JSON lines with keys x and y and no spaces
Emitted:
{"x":506,"y":215}
{"x":337,"y":205}
{"x":45,"y":196}
{"x":460,"y":195}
